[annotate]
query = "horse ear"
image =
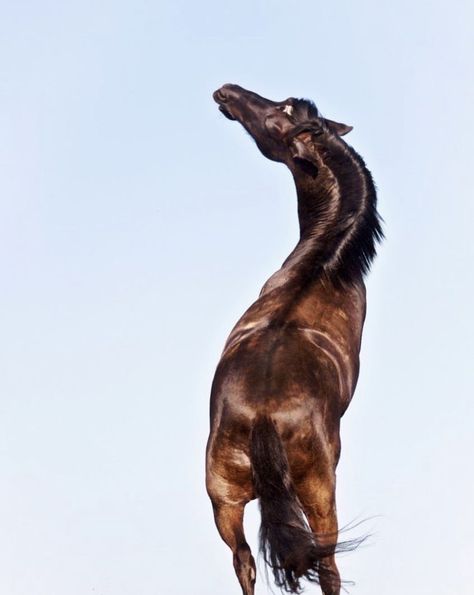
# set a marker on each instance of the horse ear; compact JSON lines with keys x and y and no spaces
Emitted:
{"x":303,"y":154}
{"x":337,"y":127}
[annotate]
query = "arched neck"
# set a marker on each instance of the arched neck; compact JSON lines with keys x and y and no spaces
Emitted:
{"x":338,"y":220}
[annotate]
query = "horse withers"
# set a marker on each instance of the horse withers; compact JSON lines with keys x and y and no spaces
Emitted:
{"x":290,"y":365}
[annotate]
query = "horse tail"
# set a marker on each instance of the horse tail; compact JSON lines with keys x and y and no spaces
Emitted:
{"x":287,"y":543}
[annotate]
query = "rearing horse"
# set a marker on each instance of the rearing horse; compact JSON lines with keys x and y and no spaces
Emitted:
{"x":290,"y":365}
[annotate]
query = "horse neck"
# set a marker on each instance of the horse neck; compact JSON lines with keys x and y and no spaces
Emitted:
{"x":338,"y":221}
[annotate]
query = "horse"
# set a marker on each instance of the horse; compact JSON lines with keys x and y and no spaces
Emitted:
{"x":290,"y":365}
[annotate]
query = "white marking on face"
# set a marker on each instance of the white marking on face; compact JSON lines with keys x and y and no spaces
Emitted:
{"x":288,"y":109}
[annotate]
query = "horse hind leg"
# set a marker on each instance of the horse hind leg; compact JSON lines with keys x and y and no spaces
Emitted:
{"x":318,"y":500}
{"x":229,"y":521}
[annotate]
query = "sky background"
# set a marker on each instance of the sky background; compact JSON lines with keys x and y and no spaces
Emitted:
{"x":137,"y":224}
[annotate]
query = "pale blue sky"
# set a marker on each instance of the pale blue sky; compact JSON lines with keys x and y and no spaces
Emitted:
{"x":136,"y":226}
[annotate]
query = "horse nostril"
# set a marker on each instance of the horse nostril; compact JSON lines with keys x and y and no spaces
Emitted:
{"x":219,"y":96}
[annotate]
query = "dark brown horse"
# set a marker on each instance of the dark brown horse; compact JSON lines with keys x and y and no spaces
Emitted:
{"x":290,"y":365}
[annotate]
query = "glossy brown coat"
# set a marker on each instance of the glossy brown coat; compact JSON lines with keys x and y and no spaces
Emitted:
{"x":290,"y":365}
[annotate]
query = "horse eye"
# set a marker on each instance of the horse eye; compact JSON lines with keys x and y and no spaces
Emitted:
{"x":288,"y":109}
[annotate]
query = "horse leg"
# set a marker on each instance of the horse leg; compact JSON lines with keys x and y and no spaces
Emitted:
{"x":318,"y":498}
{"x":229,"y":521}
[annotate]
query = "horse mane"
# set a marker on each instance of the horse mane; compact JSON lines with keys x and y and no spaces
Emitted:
{"x":360,"y":227}
{"x":360,"y":231}
{"x":308,"y":106}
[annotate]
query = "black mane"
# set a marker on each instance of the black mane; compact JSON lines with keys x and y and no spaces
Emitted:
{"x":359,"y":230}
{"x":306,"y":108}
{"x":357,"y":254}
{"x":348,"y":248}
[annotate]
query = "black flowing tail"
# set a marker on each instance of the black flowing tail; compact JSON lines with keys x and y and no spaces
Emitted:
{"x":286,"y":541}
